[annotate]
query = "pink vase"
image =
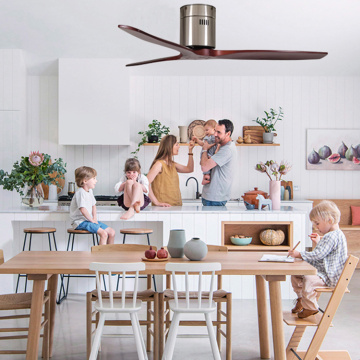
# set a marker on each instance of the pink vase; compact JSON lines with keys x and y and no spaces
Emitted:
{"x":275,"y":194}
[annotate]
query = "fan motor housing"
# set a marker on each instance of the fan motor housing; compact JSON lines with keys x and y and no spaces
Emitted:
{"x":197,"y":26}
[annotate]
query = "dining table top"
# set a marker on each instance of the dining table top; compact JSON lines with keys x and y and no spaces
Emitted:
{"x":77,"y":262}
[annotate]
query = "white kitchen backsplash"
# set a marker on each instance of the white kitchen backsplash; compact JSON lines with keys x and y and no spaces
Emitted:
{"x":308,"y":102}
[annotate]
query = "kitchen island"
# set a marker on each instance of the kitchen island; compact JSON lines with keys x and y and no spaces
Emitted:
{"x":198,"y":221}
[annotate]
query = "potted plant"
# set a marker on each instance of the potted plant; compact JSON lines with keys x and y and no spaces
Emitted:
{"x":28,"y":174}
{"x":268,"y":124}
{"x":153,"y":135}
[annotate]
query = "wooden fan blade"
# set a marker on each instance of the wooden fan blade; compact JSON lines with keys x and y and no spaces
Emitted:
{"x":155,"y":40}
{"x":266,"y":55}
{"x":177,"y":57}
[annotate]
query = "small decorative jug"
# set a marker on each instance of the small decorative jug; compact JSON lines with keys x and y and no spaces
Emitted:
{"x":195,"y":249}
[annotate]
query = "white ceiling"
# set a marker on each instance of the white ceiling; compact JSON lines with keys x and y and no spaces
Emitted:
{"x":50,"y":29}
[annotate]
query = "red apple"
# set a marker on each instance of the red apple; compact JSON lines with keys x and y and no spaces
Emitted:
{"x":162,"y":253}
{"x":150,"y":254}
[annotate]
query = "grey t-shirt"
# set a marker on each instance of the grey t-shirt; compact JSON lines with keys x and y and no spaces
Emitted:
{"x":81,"y":199}
{"x":219,"y":187}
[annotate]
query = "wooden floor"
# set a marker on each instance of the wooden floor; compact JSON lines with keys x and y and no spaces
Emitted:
{"x":69,"y":341}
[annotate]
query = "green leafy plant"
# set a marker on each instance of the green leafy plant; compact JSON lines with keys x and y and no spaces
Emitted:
{"x":31,"y":171}
{"x":268,"y":122}
{"x":154,"y":128}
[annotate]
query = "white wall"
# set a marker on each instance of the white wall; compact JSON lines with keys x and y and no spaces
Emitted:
{"x":308,"y":102}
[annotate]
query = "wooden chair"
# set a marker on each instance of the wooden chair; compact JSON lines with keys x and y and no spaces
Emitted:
{"x":190,"y":304}
{"x":321,"y":321}
{"x":223,"y":318}
{"x":22,"y":301}
{"x":110,"y":304}
{"x":136,"y":232}
{"x":149,"y":296}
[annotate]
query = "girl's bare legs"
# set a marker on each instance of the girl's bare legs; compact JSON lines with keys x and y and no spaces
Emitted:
{"x":107,"y":236}
{"x":133,"y":198}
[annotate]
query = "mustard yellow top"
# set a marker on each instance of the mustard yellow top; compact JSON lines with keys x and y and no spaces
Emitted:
{"x":166,"y":186}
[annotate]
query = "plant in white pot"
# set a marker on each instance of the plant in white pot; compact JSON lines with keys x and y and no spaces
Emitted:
{"x":268,"y":123}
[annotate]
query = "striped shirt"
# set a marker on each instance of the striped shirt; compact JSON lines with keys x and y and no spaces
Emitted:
{"x":328,"y":257}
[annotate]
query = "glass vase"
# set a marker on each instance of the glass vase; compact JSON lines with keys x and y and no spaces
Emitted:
{"x":33,"y":196}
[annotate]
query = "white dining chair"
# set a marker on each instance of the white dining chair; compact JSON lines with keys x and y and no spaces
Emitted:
{"x":116,"y":305}
{"x":193,"y":303}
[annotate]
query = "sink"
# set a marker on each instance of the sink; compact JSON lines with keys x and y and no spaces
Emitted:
{"x":197,"y":202}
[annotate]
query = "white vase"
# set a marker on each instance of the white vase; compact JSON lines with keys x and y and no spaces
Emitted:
{"x":275,"y":194}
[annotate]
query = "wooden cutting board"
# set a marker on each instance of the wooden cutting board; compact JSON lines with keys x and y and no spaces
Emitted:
{"x":255,"y":132}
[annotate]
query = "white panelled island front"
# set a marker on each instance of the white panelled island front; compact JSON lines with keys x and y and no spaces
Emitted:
{"x":197,"y":221}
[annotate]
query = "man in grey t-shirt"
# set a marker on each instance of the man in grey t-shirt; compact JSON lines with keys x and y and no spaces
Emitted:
{"x":221,"y":165}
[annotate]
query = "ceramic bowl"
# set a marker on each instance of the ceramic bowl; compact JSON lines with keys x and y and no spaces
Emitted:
{"x":241,"y":241}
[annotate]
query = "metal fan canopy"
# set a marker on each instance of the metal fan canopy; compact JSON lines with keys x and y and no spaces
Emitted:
{"x":198,"y":38}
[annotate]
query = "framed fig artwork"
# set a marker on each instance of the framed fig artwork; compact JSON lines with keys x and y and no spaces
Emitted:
{"x":333,"y":149}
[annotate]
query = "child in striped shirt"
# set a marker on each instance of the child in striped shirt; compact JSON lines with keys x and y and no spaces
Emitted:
{"x":328,"y":257}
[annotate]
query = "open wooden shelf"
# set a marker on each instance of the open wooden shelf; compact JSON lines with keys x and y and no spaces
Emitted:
{"x":186,"y":144}
{"x":253,"y":229}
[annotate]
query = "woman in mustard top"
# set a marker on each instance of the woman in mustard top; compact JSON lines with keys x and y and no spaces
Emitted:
{"x":163,"y":174}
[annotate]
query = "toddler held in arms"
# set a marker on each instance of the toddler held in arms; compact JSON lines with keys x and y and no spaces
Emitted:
{"x":83,"y":207}
{"x":133,"y":188}
{"x":328,"y":257}
{"x":210,"y":139}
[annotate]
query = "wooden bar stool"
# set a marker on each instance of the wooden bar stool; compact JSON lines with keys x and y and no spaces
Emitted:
{"x":31,"y":231}
{"x":135,"y":231}
{"x":63,"y":293}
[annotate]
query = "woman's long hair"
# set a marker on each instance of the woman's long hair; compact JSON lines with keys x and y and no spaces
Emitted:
{"x":165,"y":151}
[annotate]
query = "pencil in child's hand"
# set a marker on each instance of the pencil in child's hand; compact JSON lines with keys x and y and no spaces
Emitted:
{"x":294,"y":247}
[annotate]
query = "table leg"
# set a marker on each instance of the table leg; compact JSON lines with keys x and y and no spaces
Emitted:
{"x":52,"y":286}
{"x":262,"y":317}
{"x":35,"y":319}
{"x":277,"y":320}
{"x":161,"y":325}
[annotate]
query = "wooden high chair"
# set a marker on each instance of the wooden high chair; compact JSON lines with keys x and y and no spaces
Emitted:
{"x":322,"y":321}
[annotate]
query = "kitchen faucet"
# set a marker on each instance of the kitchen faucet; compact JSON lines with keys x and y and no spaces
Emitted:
{"x":198,"y":195}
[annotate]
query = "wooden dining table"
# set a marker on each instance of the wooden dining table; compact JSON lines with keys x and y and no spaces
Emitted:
{"x":47,"y":265}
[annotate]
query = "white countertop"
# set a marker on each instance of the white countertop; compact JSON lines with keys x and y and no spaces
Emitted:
{"x":232,"y":209}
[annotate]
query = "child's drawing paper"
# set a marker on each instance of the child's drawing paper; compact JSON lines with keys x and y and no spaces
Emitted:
{"x":277,"y":258}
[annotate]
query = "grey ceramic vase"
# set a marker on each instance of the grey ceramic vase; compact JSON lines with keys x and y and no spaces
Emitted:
{"x":176,"y":243}
{"x":195,"y":249}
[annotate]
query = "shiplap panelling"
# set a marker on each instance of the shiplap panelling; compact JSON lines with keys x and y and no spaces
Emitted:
{"x":308,"y":102}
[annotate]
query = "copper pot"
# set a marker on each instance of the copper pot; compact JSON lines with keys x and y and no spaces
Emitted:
{"x":250,"y":196}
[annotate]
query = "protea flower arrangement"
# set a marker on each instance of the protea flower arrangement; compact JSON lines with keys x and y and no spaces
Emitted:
{"x":27,"y":175}
{"x":271,"y":167}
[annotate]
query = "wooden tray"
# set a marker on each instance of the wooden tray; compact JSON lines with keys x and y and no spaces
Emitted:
{"x":255,"y":132}
{"x":154,"y":260}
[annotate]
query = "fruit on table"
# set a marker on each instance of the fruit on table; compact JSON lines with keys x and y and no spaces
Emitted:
{"x":342,"y":150}
{"x":314,"y":157}
{"x":150,"y":254}
{"x":162,"y":253}
{"x":324,"y":152}
{"x":334,"y":158}
{"x":356,"y":161}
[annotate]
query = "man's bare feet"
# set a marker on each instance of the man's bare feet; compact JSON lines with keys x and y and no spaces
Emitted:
{"x":130,"y":213}
{"x":137,"y":206}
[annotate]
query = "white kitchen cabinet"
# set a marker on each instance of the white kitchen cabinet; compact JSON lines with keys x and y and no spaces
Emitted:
{"x":12,"y":80}
{"x":94,"y":102}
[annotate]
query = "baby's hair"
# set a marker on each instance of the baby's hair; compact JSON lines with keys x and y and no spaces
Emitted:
{"x":132,"y":164}
{"x":211,"y":123}
{"x":84,"y":173}
{"x":325,"y":210}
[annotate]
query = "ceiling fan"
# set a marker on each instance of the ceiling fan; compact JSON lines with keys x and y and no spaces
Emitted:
{"x":197,"y":41}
